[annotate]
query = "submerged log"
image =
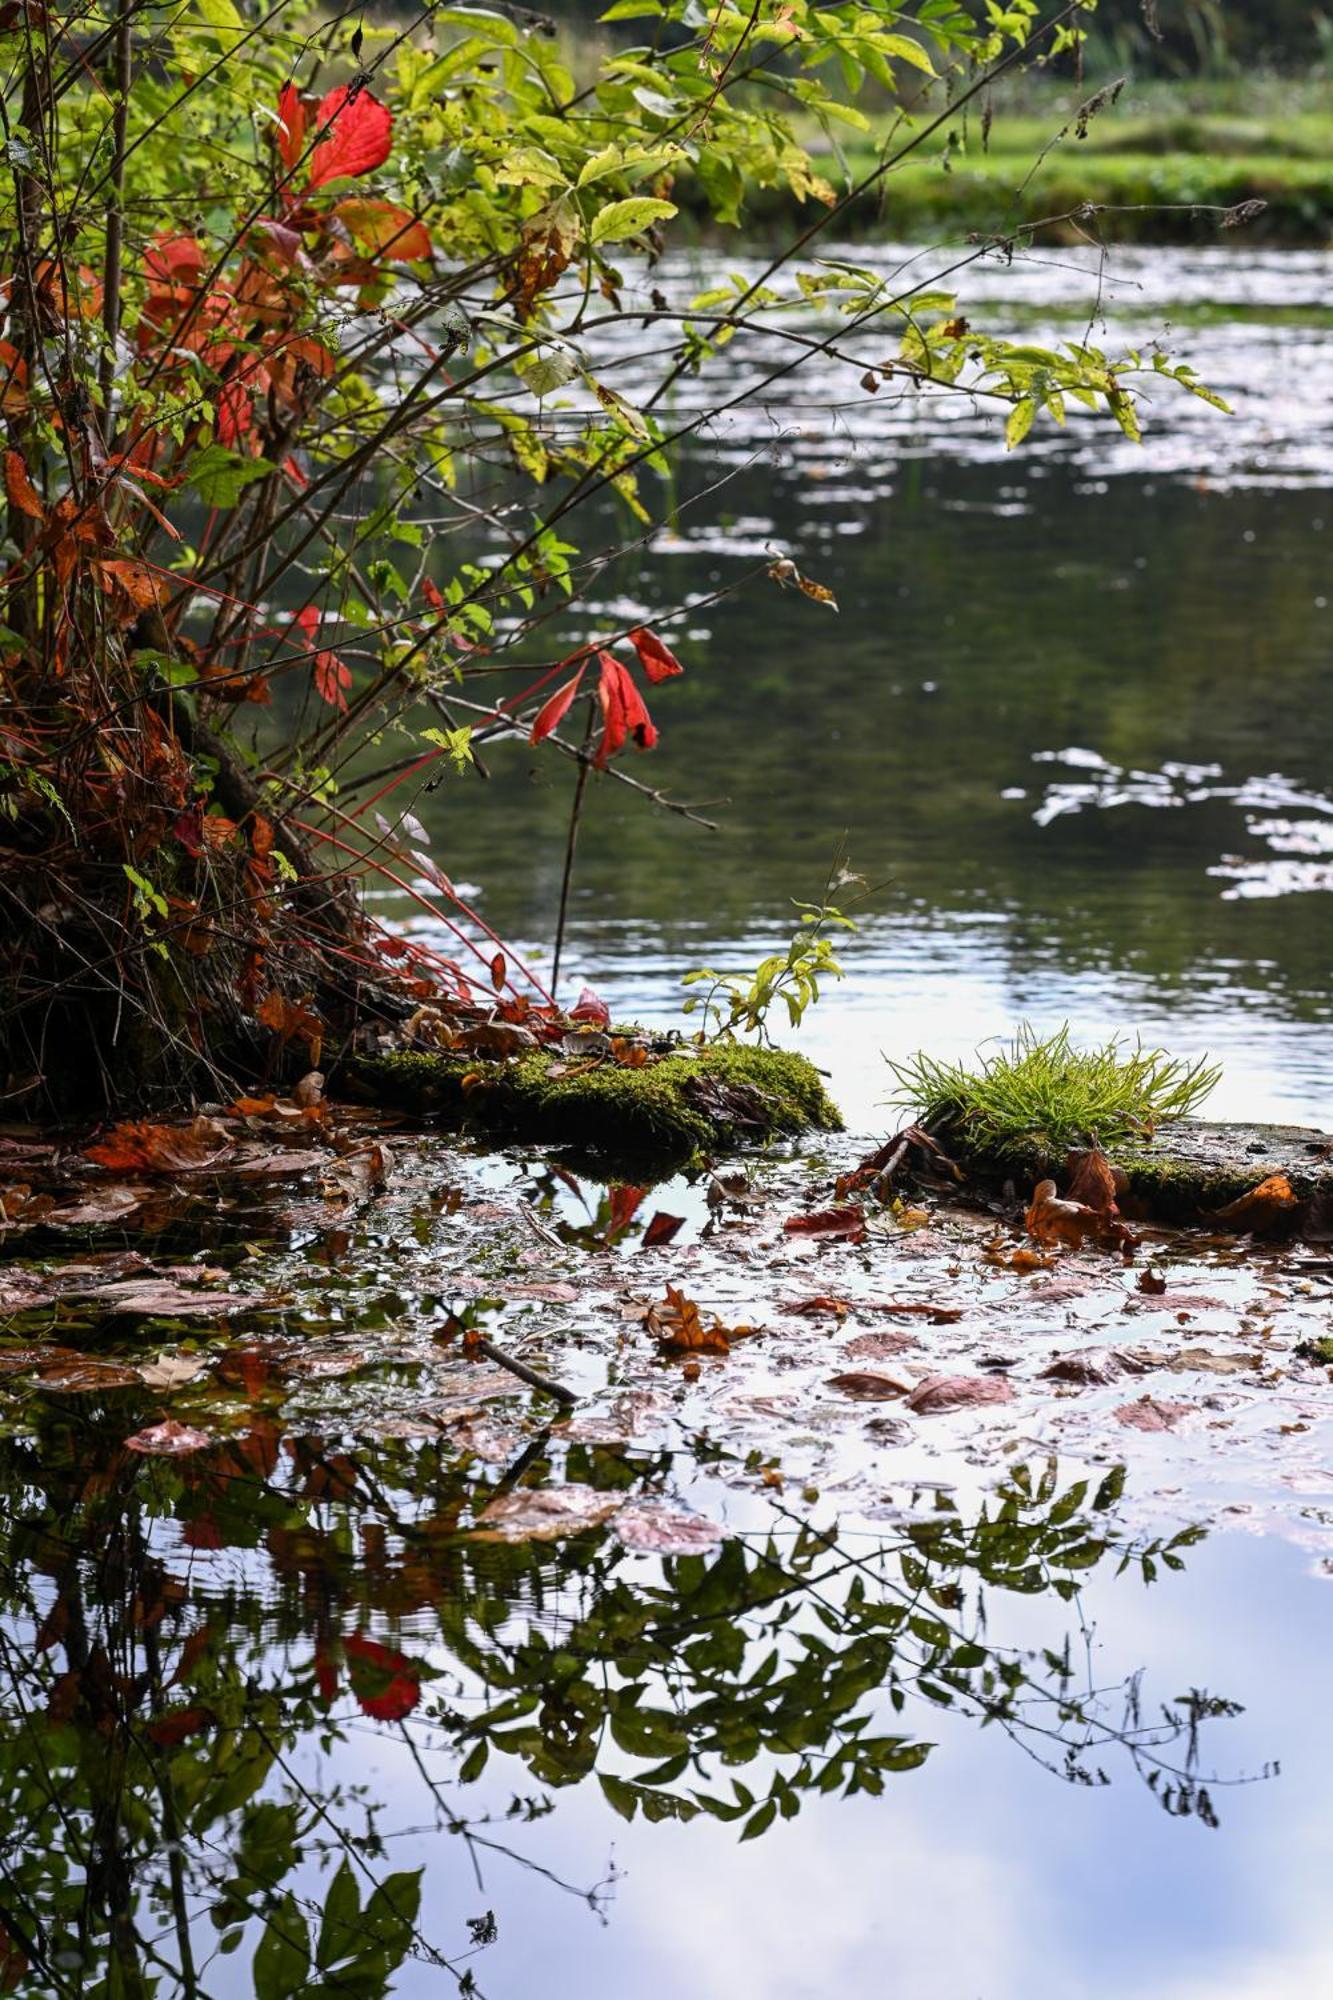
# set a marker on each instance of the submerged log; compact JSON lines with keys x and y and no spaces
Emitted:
{"x":672,"y":1110}
{"x":1191,"y":1169}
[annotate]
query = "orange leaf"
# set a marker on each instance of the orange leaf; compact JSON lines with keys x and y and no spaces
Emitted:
{"x":21,"y":491}
{"x":385,"y":229}
{"x":677,"y":1327}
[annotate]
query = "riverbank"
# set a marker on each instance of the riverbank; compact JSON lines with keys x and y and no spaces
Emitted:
{"x":1169,"y":176}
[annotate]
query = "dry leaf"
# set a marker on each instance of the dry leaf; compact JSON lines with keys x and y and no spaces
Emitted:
{"x":652,"y":1527}
{"x":677,"y":1327}
{"x":168,"y":1440}
{"x":867,"y":1387}
{"x":1147,"y":1414}
{"x":545,"y":1513}
{"x":942,"y":1393}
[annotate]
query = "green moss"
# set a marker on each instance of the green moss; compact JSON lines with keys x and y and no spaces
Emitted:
{"x":662,"y":1115}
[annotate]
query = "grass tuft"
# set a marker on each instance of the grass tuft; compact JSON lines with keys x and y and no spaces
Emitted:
{"x":1040,"y":1095}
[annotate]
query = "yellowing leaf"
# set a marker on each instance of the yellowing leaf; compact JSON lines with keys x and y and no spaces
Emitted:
{"x":621,"y":219}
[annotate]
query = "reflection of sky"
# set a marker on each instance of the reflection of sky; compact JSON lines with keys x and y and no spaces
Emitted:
{"x":952,"y":986}
{"x":978,"y":1877}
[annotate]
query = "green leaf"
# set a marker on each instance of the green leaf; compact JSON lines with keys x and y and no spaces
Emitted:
{"x":761,"y":1821}
{"x":340,"y":1932}
{"x":282,"y":1961}
{"x":620,"y":1796}
{"x":620,"y":219}
{"x":219,"y":476}
{"x":1020,"y":421}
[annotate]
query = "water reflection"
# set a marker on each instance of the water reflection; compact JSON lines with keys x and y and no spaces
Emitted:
{"x":194,"y":1650}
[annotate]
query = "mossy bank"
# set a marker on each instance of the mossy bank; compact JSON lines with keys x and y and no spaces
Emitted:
{"x":672,"y":1110}
{"x":1189,"y":1171}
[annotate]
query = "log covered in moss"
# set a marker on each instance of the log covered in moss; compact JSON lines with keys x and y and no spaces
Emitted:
{"x":1190,"y":1169}
{"x":670,"y":1111}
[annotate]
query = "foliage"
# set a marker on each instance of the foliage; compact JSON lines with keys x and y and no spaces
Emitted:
{"x":328,"y":416}
{"x":1041,"y":1095}
{"x":181,"y":1636}
{"x":736,"y":1002}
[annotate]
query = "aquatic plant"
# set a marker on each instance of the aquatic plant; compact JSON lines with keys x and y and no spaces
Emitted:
{"x":1040,"y":1094}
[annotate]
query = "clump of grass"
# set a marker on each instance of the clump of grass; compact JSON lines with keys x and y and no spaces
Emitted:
{"x":1039,"y":1094}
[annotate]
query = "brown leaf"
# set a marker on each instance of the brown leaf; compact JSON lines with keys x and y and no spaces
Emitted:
{"x":824,"y":1305}
{"x":1090,"y":1371}
{"x":545,"y":1513}
{"x":1051,"y":1220}
{"x":942,"y":1393}
{"x":677,"y":1327}
{"x":847,"y":1222}
{"x":1147,"y":1414}
{"x":867,"y":1387}
{"x":1092,"y":1180}
{"x":138,"y":1146}
{"x":1264,"y":1208}
{"x":878,"y":1346}
{"x":83,"y":1375}
{"x":652,"y":1527}
{"x":168,"y":1440}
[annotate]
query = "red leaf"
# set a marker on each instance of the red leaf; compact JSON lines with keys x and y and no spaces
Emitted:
{"x":657,"y":660}
{"x":590,"y":1007}
{"x":624,"y":1202}
{"x":291,"y":126}
{"x":179,"y":1723}
{"x":358,"y":135}
{"x":661,"y":1229}
{"x":332,"y":678}
{"x":623,"y":713}
{"x":433,"y":595}
{"x":385,"y":1683}
{"x":498,"y":971}
{"x":234,"y":416}
{"x":554,"y":711}
{"x":174,"y":260}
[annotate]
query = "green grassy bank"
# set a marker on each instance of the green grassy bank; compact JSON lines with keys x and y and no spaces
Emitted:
{"x":1166,"y":171}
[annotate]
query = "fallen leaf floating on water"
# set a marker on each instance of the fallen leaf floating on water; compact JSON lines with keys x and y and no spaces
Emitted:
{"x":545,"y":1514}
{"x":171,"y":1371}
{"x":878,"y":1346}
{"x":138,"y":1146}
{"x":677,"y":1326}
{"x":940,"y":1394}
{"x":1150,"y":1415}
{"x":1264,"y":1208}
{"x":1049,"y":1219}
{"x":845,"y":1222}
{"x":168,"y":1440}
{"x":1020,"y":1259}
{"x":84,"y":1376}
{"x":651,"y":1527}
{"x":865,"y":1386}
{"x":1089,"y":1371}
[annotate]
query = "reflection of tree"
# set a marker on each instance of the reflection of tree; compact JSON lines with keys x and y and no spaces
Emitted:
{"x":178,"y":1638}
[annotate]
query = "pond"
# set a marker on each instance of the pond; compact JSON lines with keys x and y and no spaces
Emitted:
{"x":1069,"y":715}
{"x":811,"y":1689}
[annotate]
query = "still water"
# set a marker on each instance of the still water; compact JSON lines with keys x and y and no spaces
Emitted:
{"x":1073,"y":713}
{"x":992,"y":1729}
